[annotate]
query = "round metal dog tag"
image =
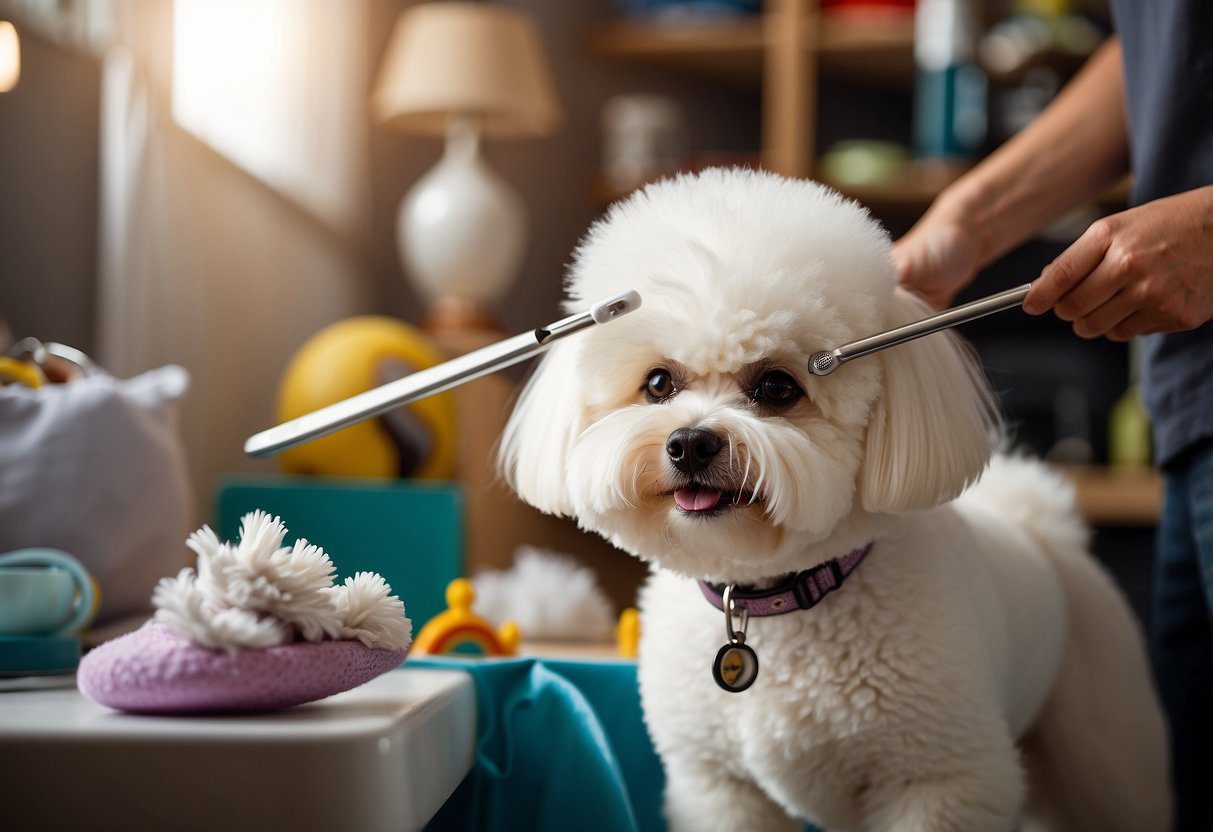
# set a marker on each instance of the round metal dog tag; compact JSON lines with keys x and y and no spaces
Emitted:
{"x":736,"y":667}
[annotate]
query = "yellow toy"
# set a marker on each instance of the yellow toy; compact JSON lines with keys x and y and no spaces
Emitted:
{"x":459,"y":630}
{"x":352,"y":356}
{"x":627,"y":633}
{"x":21,"y":372}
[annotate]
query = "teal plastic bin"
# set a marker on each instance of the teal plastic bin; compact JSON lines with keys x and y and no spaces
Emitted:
{"x":409,"y":532}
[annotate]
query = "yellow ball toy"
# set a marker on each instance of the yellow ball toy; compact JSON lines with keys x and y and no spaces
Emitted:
{"x":352,"y":356}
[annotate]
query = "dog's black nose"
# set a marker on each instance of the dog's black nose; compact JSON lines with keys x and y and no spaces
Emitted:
{"x":692,"y":449}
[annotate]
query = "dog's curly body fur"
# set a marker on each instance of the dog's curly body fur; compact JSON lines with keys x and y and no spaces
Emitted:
{"x":900,"y":701}
{"x":978,"y":671}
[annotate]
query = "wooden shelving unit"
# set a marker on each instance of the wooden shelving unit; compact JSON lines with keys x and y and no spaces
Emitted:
{"x":782,"y":52}
{"x":879,"y":50}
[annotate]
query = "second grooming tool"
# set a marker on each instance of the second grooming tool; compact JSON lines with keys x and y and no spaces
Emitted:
{"x":825,"y":362}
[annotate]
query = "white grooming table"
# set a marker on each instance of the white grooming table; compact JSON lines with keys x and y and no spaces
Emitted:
{"x":384,"y":756}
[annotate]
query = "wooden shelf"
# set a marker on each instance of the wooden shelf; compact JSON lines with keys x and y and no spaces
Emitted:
{"x":909,"y":195}
{"x":1117,"y":496}
{"x":879,"y":50}
{"x":729,"y":50}
{"x":876,"y":50}
{"x":906,"y":197}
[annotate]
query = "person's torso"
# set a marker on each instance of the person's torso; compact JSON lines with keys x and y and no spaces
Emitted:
{"x":1168,"y":60}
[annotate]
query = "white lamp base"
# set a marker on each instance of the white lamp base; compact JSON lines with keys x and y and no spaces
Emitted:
{"x":462,"y":228}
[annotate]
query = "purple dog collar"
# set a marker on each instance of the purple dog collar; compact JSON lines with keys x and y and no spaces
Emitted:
{"x":800,"y":591}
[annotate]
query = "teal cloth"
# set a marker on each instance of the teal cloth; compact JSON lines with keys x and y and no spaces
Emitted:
{"x":561,"y":745}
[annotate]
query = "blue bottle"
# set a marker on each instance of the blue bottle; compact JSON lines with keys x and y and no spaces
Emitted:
{"x":950,"y":89}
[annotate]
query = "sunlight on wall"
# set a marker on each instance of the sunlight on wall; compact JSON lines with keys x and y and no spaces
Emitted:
{"x":10,"y":56}
{"x":277,"y":86}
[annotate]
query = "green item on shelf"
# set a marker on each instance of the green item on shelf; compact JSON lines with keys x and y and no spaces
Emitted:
{"x":1129,"y":430}
{"x":409,"y":532}
{"x":860,"y":162}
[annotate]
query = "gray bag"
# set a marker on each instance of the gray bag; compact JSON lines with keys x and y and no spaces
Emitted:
{"x":95,"y":467}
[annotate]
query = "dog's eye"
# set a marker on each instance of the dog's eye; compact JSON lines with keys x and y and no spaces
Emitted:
{"x":777,"y":388}
{"x":659,"y":386}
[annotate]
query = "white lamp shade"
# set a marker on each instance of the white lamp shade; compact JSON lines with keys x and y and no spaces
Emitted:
{"x":468,"y":58}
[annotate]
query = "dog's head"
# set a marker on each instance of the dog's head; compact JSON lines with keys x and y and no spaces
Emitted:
{"x":691,"y":433}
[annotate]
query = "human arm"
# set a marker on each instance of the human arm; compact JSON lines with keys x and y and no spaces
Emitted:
{"x":1074,"y":150}
{"x":1145,"y":270}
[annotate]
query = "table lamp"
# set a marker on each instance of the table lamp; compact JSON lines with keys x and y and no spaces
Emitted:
{"x":464,"y":70}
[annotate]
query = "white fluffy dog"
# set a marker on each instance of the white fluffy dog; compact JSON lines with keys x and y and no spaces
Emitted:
{"x":976,"y":671}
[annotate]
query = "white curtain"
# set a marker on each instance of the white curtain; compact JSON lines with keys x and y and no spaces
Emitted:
{"x":203,"y":263}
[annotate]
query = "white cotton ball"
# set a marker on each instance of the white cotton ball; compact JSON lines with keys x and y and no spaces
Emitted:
{"x":371,"y":613}
{"x":182,"y":606}
{"x":549,"y":595}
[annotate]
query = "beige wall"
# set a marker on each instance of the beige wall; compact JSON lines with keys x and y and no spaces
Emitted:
{"x":48,"y":173}
{"x":48,"y":195}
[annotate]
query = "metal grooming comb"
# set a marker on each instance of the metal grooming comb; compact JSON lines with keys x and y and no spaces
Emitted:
{"x":435,"y":379}
{"x":825,"y":362}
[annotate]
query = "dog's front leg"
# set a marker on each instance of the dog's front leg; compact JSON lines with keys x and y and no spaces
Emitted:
{"x":982,"y":799}
{"x":701,"y":798}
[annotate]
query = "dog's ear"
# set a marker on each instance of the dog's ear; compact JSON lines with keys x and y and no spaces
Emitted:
{"x":534,"y":448}
{"x":934,"y":426}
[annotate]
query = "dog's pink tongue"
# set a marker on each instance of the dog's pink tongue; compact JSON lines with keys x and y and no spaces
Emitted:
{"x":696,"y":499}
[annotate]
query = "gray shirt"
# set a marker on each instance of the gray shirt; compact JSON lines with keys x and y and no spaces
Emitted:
{"x":1168,"y":59}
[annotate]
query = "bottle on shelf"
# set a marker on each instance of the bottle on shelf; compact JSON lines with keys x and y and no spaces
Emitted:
{"x":950,"y":88}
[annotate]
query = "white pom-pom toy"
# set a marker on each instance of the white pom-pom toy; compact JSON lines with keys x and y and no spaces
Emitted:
{"x":549,"y":595}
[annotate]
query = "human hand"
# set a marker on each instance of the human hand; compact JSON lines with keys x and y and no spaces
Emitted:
{"x":1145,"y":270}
{"x":937,"y":258}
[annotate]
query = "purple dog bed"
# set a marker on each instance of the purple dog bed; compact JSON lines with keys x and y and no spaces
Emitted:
{"x":153,"y":671}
